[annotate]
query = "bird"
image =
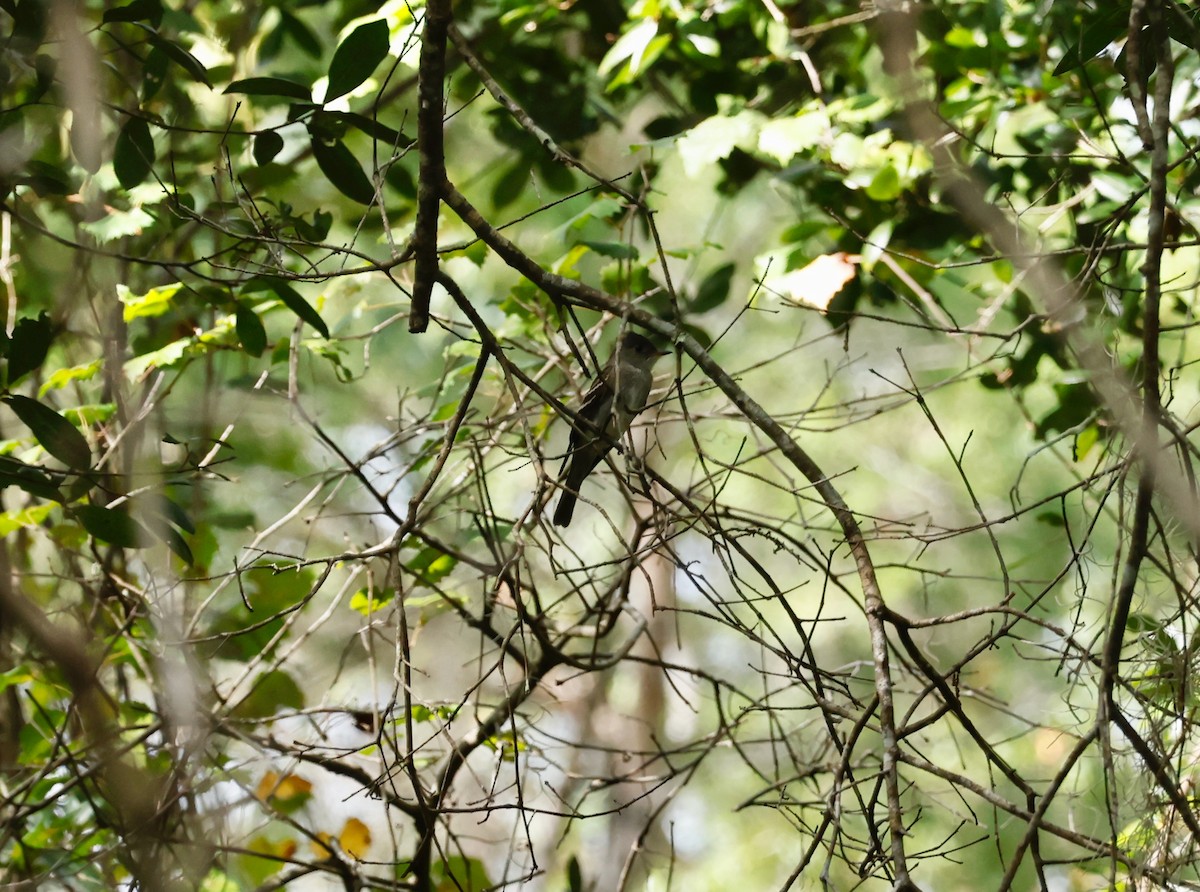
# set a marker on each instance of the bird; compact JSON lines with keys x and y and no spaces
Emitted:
{"x":619,"y":394}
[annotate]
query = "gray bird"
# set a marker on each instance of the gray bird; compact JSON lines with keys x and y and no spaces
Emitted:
{"x":618,"y":395}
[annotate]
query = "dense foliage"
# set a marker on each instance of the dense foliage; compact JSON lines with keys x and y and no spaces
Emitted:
{"x":892,"y":585}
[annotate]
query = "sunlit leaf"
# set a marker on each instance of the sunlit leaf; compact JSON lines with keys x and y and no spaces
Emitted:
{"x":11,"y":521}
{"x":154,"y":302}
{"x":876,"y":243}
{"x":118,"y":224}
{"x":819,"y":282}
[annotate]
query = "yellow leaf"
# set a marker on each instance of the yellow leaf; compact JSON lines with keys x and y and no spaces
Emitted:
{"x":355,"y":838}
{"x":281,"y":789}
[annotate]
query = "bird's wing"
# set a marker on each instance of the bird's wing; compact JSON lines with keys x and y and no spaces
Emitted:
{"x":596,"y":408}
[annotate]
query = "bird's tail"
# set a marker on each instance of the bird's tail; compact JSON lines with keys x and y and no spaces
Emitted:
{"x":565,"y":509}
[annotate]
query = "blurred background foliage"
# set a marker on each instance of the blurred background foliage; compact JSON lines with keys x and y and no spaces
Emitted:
{"x":217,"y":431}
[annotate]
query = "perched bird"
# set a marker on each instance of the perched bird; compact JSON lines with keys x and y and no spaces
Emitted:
{"x":617,"y":396}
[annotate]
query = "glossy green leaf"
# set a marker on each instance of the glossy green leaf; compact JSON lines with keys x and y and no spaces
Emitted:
{"x":291,"y":299}
{"x":356,"y":57}
{"x":27,"y":349}
{"x":178,"y":545}
{"x":154,"y":73}
{"x":267,"y":145}
{"x":342,"y":169}
{"x":133,"y":155}
{"x":250,"y":330}
{"x":174,"y":514}
{"x":178,"y":55}
{"x":270,"y":86}
{"x":1100,"y":29}
{"x":56,"y":435}
{"x":302,"y":308}
{"x":112,"y":525}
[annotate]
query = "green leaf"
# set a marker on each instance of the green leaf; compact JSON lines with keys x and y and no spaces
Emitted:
{"x":250,"y":330}
{"x":178,"y":55}
{"x":154,"y":73}
{"x":112,"y":525}
{"x":714,"y":289}
{"x":372,"y":128}
{"x":431,"y":565}
{"x":29,"y":22}
{"x":176,"y":543}
{"x":885,"y":186}
{"x":633,"y":46}
{"x":270,"y":86}
{"x":133,"y":156}
{"x":341,"y":168}
{"x":356,"y":57}
{"x":875,"y":244}
{"x":300,"y":33}
{"x":291,"y":299}
{"x":174,"y":514}
{"x":154,"y":302}
{"x":57,"y":435}
{"x":16,"y":675}
{"x":35,"y":515}
{"x":32,"y":480}
{"x":317,"y":229}
{"x":47,"y":179}
{"x":617,"y":250}
{"x":27,"y":349}
{"x":272,"y":692}
{"x":368,"y":601}
{"x":458,"y":872}
{"x":1107,"y":26}
{"x":150,"y":10}
{"x":267,"y":145}
{"x":117,"y":224}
